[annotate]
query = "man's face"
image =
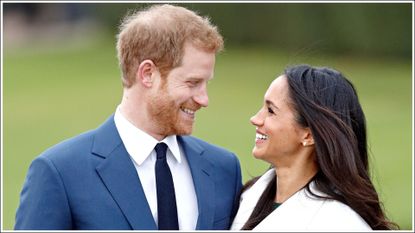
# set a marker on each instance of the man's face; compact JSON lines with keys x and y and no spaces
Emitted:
{"x":184,"y":91}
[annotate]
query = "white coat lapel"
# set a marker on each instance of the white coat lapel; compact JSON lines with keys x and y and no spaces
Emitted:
{"x":250,"y":198}
{"x":296,"y":213}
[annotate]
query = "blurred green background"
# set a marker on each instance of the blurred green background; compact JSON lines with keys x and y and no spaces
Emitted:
{"x":60,"y":78}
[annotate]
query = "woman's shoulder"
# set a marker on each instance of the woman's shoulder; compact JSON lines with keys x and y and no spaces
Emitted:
{"x":304,"y":212}
{"x":336,"y":215}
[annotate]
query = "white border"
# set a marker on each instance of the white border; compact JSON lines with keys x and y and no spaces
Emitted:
{"x":357,"y":1}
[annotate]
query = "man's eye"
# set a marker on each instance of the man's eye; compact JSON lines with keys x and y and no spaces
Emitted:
{"x":192,"y":83}
{"x":270,"y":110}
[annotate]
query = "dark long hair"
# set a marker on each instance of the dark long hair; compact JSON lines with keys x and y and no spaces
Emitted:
{"x":326,"y":102}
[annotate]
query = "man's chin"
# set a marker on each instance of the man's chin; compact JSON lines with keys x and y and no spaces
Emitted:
{"x":185,"y":130}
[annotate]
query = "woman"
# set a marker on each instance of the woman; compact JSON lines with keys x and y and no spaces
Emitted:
{"x":312,"y":131}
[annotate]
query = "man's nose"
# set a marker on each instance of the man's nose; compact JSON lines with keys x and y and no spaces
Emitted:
{"x":202,"y":97}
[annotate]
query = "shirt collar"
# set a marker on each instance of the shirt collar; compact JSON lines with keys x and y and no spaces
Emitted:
{"x":140,"y":144}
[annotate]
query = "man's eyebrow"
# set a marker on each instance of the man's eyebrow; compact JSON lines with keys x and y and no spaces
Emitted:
{"x":197,"y":78}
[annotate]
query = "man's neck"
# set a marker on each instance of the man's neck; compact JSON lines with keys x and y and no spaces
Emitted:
{"x":138,"y":117}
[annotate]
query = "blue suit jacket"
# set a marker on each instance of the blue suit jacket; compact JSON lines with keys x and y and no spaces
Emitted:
{"x":90,"y":183}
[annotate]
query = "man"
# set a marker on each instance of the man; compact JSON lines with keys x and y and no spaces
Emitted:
{"x":116,"y":176}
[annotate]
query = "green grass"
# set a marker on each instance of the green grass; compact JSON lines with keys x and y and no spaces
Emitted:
{"x":53,"y":94}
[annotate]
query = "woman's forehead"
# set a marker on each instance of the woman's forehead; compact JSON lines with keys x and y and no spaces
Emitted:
{"x":278,"y":89}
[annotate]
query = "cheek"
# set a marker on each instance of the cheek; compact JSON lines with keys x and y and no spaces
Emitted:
{"x":180,"y":95}
{"x":281,"y":138}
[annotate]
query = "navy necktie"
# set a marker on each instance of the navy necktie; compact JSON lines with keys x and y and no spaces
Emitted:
{"x":166,"y":199}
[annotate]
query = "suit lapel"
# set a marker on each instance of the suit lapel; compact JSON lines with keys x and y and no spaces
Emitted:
{"x":120,"y":177}
{"x":201,"y":170}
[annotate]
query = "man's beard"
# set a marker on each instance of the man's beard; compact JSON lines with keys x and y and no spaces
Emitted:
{"x":164,"y":112}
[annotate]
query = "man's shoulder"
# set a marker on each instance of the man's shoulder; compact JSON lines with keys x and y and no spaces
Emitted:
{"x":205,"y":145}
{"x":211,"y":151}
{"x":78,"y":145}
{"x":69,"y":147}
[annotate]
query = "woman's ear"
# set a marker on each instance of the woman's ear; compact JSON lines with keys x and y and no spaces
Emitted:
{"x":307,"y":139}
{"x":145,"y":73}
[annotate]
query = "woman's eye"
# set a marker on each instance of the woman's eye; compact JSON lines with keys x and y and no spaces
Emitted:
{"x":270,"y":110}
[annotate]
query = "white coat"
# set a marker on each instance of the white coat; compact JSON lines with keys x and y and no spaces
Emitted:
{"x":301,"y":212}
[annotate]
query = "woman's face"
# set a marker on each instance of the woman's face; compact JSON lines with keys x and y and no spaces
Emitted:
{"x":279,"y":138}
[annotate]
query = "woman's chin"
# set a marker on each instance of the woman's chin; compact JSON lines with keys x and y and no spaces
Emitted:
{"x":256,"y":153}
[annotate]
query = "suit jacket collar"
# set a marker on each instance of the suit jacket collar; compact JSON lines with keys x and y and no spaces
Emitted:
{"x":201,"y":169}
{"x":120,"y":177}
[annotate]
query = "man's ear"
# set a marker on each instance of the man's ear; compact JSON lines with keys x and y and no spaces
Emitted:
{"x":145,"y":73}
{"x":307,"y":138}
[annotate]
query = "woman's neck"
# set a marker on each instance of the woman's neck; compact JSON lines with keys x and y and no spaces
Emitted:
{"x":291,"y":179}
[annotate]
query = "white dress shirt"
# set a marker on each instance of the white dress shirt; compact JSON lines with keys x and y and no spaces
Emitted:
{"x":140,"y":146}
